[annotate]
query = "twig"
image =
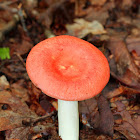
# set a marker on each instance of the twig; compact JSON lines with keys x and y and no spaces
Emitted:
{"x":20,"y":58}
{"x":31,"y":121}
{"x":21,"y":16}
{"x":41,"y":118}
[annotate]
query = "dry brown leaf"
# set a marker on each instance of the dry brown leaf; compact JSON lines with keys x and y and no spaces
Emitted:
{"x":133,"y":43}
{"x":111,"y":93}
{"x":20,"y":133}
{"x":11,"y":120}
{"x":18,"y":117}
{"x":97,"y":2}
{"x":87,"y":134}
{"x":54,"y":13}
{"x":131,"y":126}
{"x":99,"y":15}
{"x":35,"y":97}
{"x":114,"y":93}
{"x":122,"y":65}
{"x":88,"y":106}
{"x":102,"y":120}
{"x":106,"y":117}
{"x":15,"y":103}
{"x":46,"y":105}
{"x":79,"y":7}
{"x":112,"y":89}
{"x":14,"y":69}
{"x":126,"y":4}
{"x":31,"y":132}
{"x":22,"y":46}
{"x":136,"y":21}
{"x":20,"y":92}
{"x":7,"y":22}
{"x":88,"y":111}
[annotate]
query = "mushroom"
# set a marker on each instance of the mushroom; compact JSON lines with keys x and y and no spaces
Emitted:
{"x":68,"y":69}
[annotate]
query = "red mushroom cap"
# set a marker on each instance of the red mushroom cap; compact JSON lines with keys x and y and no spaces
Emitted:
{"x":68,"y":68}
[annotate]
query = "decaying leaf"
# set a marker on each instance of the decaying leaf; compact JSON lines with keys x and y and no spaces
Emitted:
{"x":13,"y":118}
{"x":88,"y":106}
{"x":81,"y":28}
{"x":102,"y":120}
{"x":112,"y":89}
{"x":116,"y":91}
{"x":96,"y":2}
{"x":133,"y":44}
{"x":88,"y":110}
{"x":20,"y":133}
{"x":131,"y":126}
{"x":22,"y":46}
{"x":14,"y":68}
{"x":122,"y":65}
{"x":32,"y":132}
{"x":20,"y":92}
{"x":25,"y":112}
{"x":91,"y":135}
{"x":106,"y":117}
{"x":15,"y":103}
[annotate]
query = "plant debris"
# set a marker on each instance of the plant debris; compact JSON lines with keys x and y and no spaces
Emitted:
{"x":113,"y":26}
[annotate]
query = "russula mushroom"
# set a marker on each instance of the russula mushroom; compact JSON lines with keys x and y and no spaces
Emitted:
{"x":68,"y":69}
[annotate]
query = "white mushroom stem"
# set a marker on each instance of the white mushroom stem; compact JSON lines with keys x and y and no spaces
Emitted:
{"x":68,"y":120}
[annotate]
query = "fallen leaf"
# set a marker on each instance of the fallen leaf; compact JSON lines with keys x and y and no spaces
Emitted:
{"x":21,"y":133}
{"x":11,"y":120}
{"x":46,"y":105}
{"x":88,"y":112}
{"x":35,"y":97}
{"x":110,"y":91}
{"x":136,"y":21}
{"x":88,"y":134}
{"x":30,"y":132}
{"x":20,"y":92}
{"x":4,"y":84}
{"x":96,"y":2}
{"x":14,"y":69}
{"x":106,"y":117}
{"x":52,"y":16}
{"x":130,"y":126}
{"x":80,"y":8}
{"x":100,"y":14}
{"x":88,"y":106}
{"x":133,"y":43}
{"x":125,"y":4}
{"x":122,"y":65}
{"x":81,"y":28}
{"x":4,"y":53}
{"x":22,"y":46}
{"x":15,"y":103}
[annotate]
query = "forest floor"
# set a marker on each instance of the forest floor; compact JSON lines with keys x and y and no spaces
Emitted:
{"x":112,"y":26}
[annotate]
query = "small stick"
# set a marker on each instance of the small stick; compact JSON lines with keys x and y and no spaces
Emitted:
{"x":20,"y":58}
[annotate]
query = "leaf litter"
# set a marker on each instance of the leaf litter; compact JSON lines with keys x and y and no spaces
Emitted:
{"x":26,"y":113}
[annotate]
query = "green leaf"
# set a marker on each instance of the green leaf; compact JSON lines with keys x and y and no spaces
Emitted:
{"x":4,"y":53}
